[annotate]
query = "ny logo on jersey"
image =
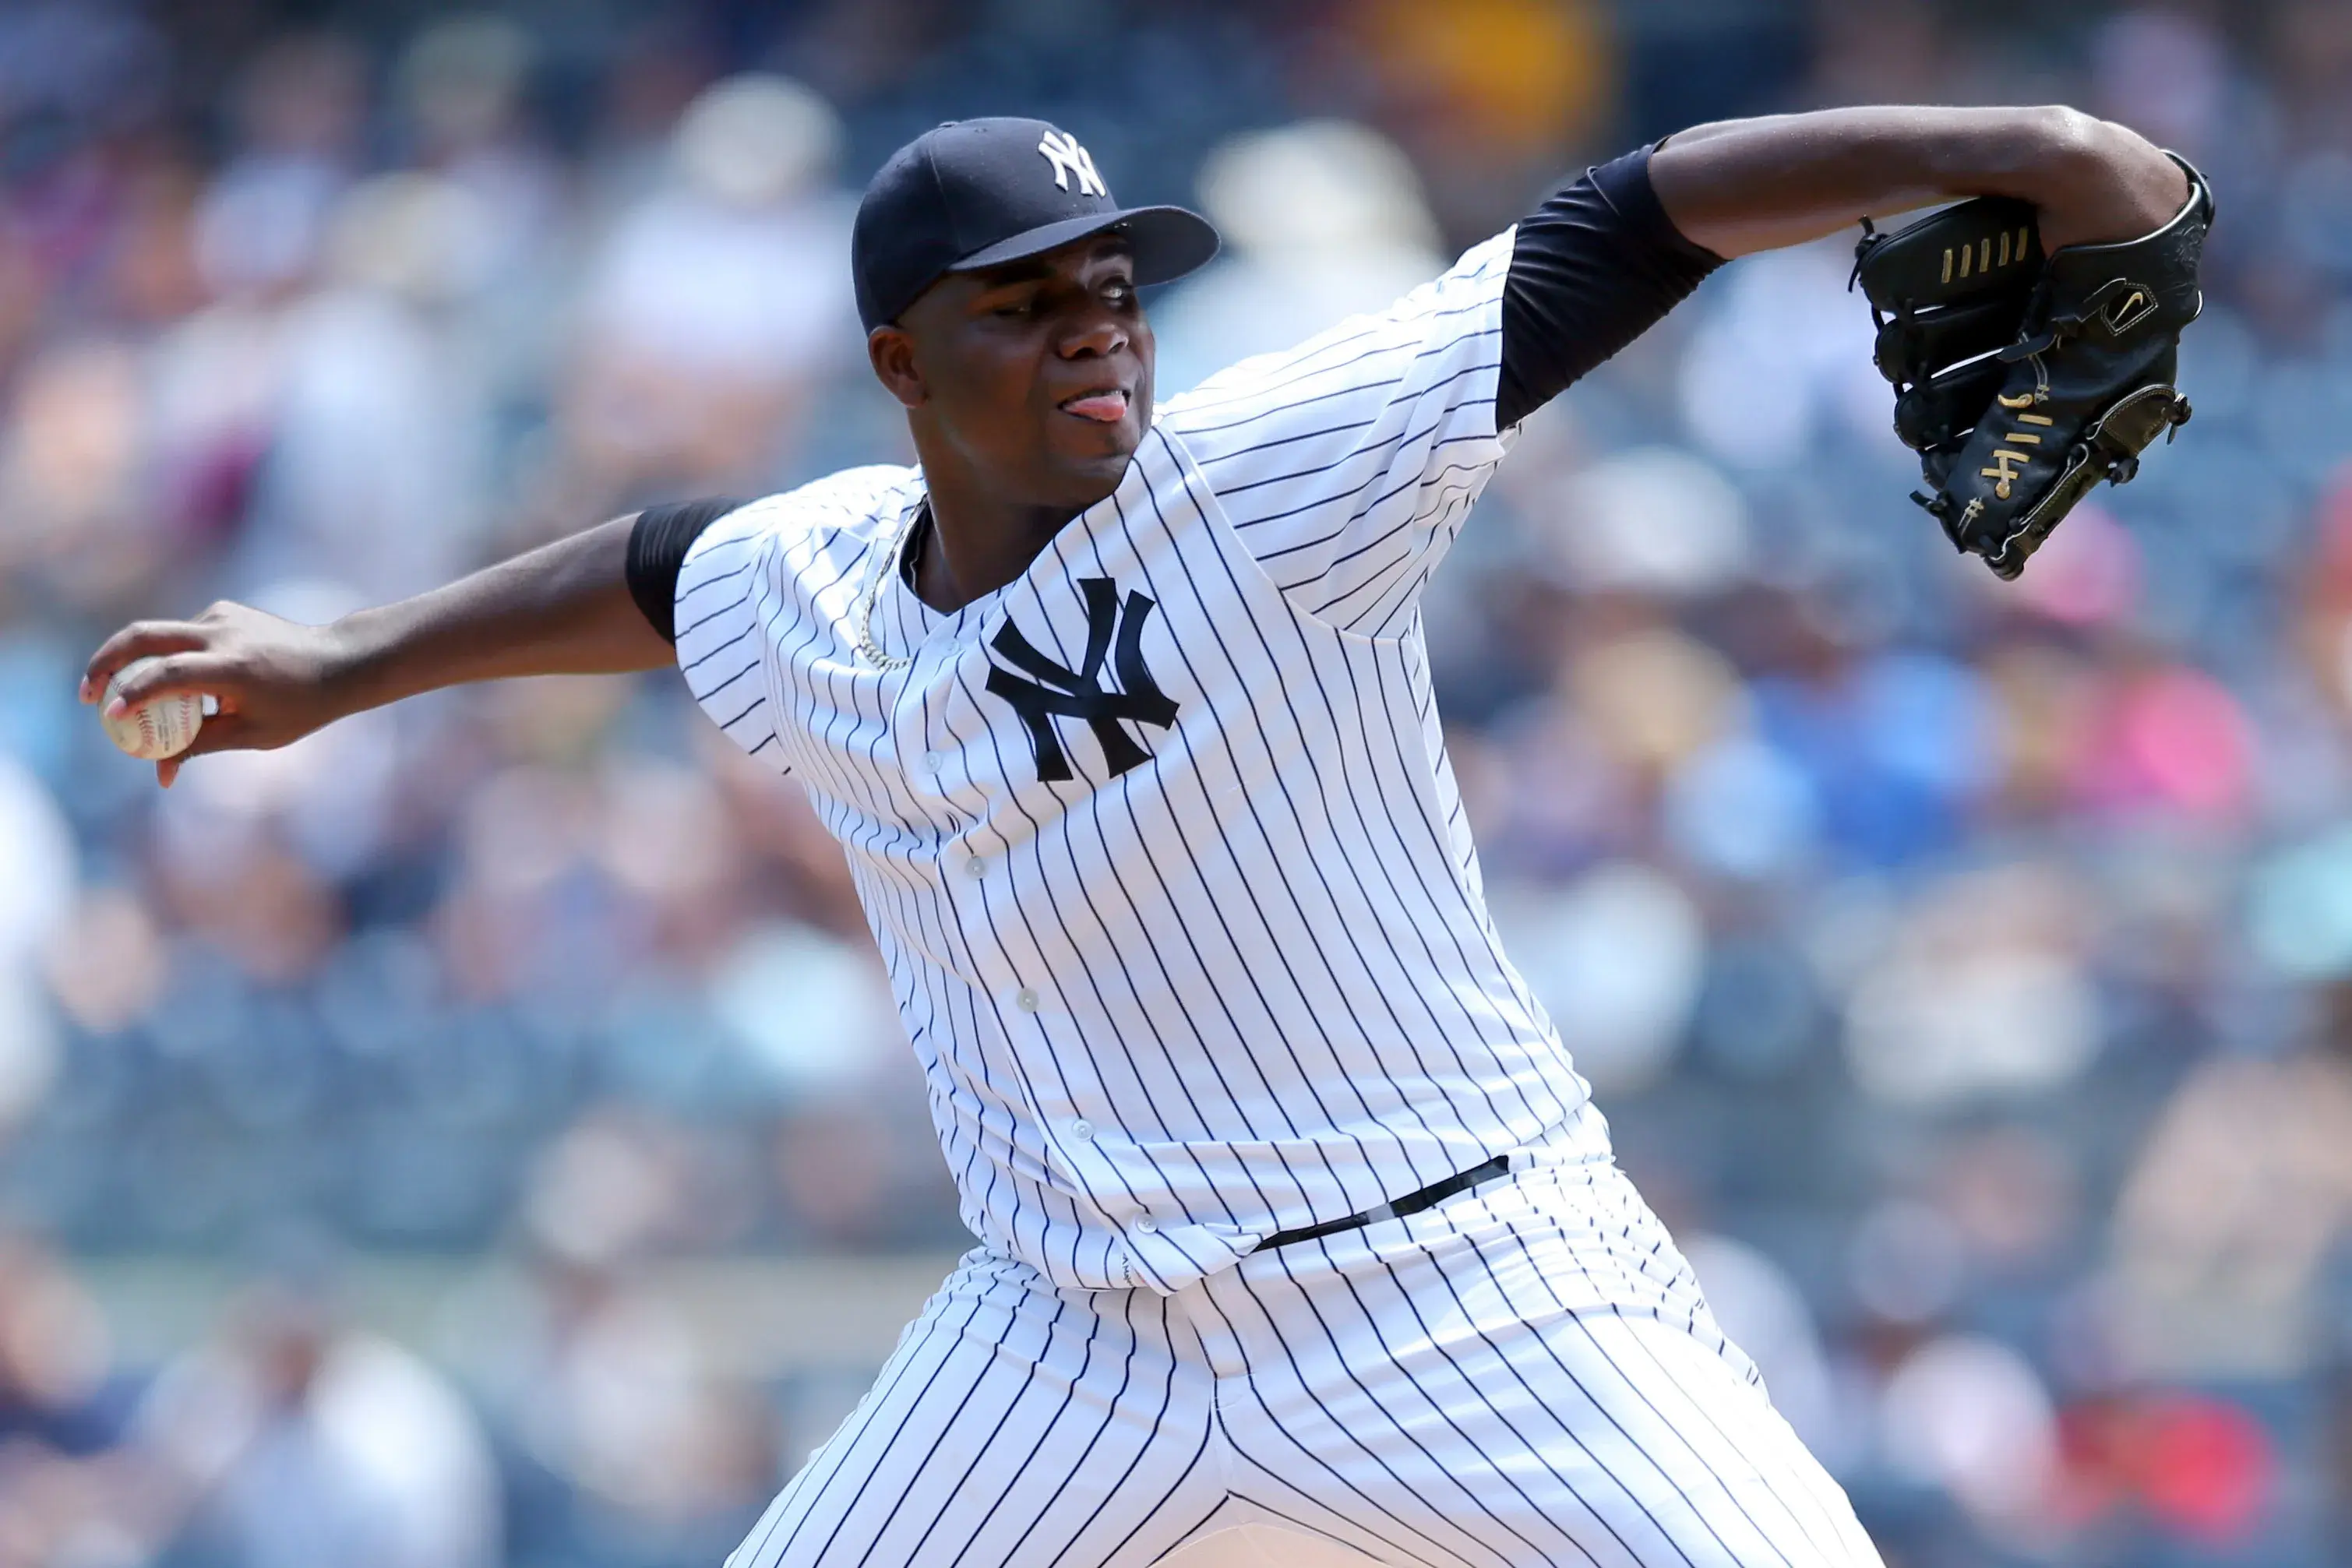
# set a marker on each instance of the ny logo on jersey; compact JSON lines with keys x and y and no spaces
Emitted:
{"x":1062,"y":150}
{"x":1054,"y":691}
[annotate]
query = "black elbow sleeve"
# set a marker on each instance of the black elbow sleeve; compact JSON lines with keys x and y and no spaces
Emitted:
{"x":1592,"y":268}
{"x":659,"y":541}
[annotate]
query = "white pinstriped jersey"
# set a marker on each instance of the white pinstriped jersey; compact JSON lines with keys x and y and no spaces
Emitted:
{"x":1158,"y":841}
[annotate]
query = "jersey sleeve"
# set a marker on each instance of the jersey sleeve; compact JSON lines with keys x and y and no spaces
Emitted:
{"x":722,"y":640}
{"x":1346,"y":463}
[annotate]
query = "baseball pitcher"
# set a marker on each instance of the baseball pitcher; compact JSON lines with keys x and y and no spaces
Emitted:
{"x":1296,"y":1222}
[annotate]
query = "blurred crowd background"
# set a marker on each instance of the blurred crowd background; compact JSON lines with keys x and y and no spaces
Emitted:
{"x":478,"y":1135}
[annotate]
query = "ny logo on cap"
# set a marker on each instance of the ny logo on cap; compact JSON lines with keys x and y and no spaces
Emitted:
{"x":1062,"y":150}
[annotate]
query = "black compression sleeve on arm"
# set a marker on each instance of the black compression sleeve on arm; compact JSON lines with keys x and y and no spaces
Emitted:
{"x":1591,"y":269}
{"x":659,"y":541}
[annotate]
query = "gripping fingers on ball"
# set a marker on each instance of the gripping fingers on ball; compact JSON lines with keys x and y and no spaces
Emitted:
{"x":139,"y":640}
{"x":176,"y":674}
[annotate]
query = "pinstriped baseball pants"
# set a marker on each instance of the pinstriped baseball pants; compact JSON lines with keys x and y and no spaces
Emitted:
{"x":1523,"y":1374}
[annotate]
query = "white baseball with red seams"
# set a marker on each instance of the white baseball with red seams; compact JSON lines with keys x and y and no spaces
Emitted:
{"x":154,"y":730}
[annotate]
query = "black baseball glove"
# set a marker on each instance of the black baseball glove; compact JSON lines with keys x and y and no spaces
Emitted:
{"x":2022,"y":380}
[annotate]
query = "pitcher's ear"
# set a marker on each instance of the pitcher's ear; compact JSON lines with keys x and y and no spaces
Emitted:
{"x":891,"y":352}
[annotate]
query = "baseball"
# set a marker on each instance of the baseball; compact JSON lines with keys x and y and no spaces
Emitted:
{"x":153,"y":730}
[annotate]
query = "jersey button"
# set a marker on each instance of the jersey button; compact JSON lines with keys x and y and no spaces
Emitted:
{"x":1026,"y":999}
{"x":1082,"y":1130}
{"x":1147,"y":1226}
{"x":975,"y":865}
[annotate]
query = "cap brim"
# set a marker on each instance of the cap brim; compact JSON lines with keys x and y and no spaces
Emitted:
{"x":1168,"y":242}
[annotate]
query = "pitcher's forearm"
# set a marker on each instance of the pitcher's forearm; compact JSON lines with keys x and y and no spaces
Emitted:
{"x":1743,"y":185}
{"x":565,"y":608}
{"x":562,"y":609}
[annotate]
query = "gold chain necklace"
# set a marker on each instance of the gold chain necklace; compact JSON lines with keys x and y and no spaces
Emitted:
{"x":869,"y":596}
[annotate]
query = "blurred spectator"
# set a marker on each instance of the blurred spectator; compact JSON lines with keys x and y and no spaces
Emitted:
{"x":1968,"y":1413}
{"x":301,"y":111}
{"x":63,"y":1408}
{"x":2236,"y":1209}
{"x":1979,"y":990}
{"x":603,"y":1380}
{"x":1615,"y":959}
{"x":299,"y":1441}
{"x":462,"y":87}
{"x":715,"y":304}
{"x":1319,"y":222}
{"x":376,"y":474}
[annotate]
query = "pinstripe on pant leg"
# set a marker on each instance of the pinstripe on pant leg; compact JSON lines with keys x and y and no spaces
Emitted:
{"x":1432,"y":1442}
{"x":1524,"y":1376}
{"x":1016,"y":1424}
{"x":1733,"y":1427}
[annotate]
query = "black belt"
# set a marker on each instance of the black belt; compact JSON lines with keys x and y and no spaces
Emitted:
{"x":1411,"y":1203}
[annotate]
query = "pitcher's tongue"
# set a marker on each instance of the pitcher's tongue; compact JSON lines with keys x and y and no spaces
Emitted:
{"x":1105,"y":407}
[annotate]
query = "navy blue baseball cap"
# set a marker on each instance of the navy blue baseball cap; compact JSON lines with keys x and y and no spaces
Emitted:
{"x":981,"y":193}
